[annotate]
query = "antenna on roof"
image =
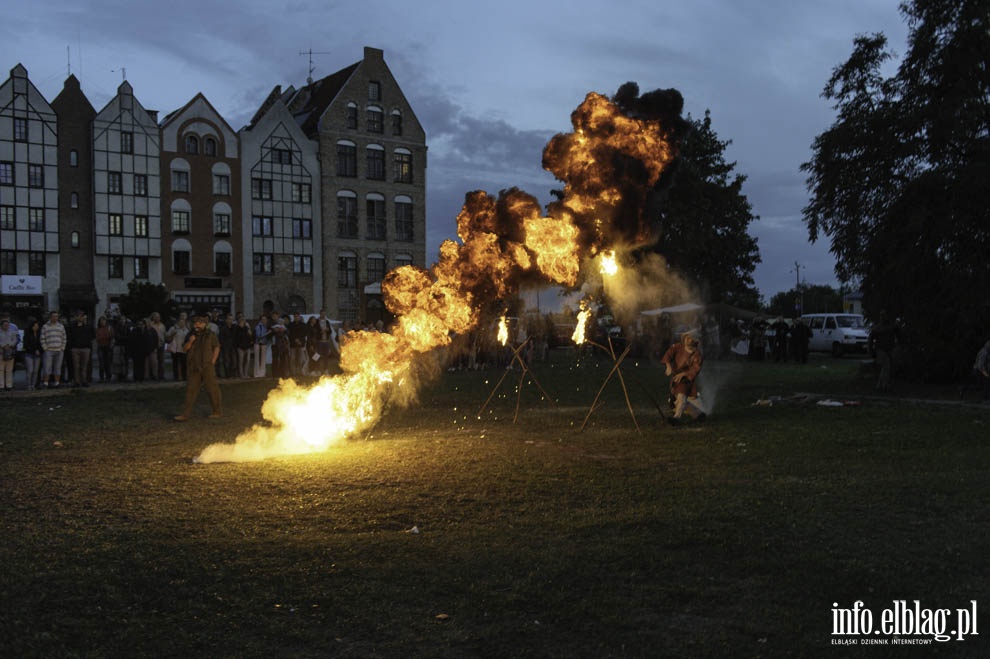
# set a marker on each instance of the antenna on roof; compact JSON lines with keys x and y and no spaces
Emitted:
{"x":311,"y":52}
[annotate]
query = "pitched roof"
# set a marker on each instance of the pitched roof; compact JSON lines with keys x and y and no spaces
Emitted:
{"x":316,"y":97}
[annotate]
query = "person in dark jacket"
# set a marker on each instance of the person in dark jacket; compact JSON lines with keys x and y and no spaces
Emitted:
{"x":202,"y":348}
{"x":81,"y":338}
{"x":32,"y":352}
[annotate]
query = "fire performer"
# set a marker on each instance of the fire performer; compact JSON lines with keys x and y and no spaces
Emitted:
{"x":683,"y":364}
{"x":202,"y":348}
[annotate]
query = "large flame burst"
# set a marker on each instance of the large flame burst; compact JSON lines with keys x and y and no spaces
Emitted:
{"x":608,"y":165}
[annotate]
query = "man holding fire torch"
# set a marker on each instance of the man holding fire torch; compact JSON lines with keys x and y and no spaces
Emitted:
{"x":202,"y":347}
{"x":683,"y":364}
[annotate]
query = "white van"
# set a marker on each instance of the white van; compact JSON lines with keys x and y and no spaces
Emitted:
{"x":837,"y":333}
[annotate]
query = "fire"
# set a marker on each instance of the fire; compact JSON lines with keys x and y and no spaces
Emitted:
{"x":609,"y":266}
{"x":503,"y":331}
{"x":608,"y":165}
{"x":578,"y":337}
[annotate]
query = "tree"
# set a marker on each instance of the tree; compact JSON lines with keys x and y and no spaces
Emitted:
{"x":143,"y":298}
{"x":704,"y":218}
{"x":899,"y":182}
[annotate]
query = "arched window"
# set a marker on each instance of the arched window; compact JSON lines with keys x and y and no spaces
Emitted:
{"x":181,"y":257}
{"x":374,"y":117}
{"x":192,"y":144}
{"x":347,"y":215}
{"x":396,"y":122}
{"x":210,"y":146}
{"x":222,"y":258}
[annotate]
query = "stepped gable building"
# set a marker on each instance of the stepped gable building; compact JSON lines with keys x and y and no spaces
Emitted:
{"x":282,"y":230}
{"x":126,"y":196}
{"x":372,"y":152}
{"x":74,"y":112}
{"x":201,"y":209}
{"x":29,"y":206}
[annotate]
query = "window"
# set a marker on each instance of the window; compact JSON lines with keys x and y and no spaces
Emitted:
{"x":350,"y":115}
{"x":140,"y":267}
{"x":221,"y":184}
{"x":261,"y":188}
{"x":373,"y":116}
{"x":181,"y":263}
{"x":141,"y":185}
{"x":73,"y":158}
{"x":261,"y":226}
{"x":282,"y":156}
{"x":8,"y":262}
{"x":376,"y":217}
{"x":221,"y":264}
{"x":374,"y":91}
{"x":302,"y":265}
{"x":376,"y":163}
{"x":404,"y":220}
{"x":402,"y":259}
{"x":74,"y":239}
{"x":302,"y":193}
{"x":74,"y":200}
{"x":347,"y":271}
{"x":262,"y":263}
{"x":20,"y":129}
{"x":127,"y":142}
{"x":8,"y":217}
{"x":403,"y":166}
{"x":180,"y":222}
{"x":180,"y":180}
{"x":376,"y":267}
{"x":6,"y":173}
{"x":192,"y":144}
{"x":36,"y":263}
{"x":346,"y":159}
{"x":114,"y":185}
{"x":141,"y":226}
{"x":210,"y":146}
{"x":115,"y":224}
{"x":302,"y":227}
{"x":36,"y":176}
{"x":347,"y":218}
{"x":116,"y":267}
{"x":221,"y":224}
{"x":396,"y":122}
{"x":36,"y":219}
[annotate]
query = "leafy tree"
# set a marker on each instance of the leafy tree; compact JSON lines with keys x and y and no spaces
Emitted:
{"x":143,"y":298}
{"x":812,"y":299}
{"x":704,"y":217}
{"x":899,"y":182}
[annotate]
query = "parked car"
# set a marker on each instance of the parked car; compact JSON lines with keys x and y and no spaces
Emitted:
{"x":837,"y":333}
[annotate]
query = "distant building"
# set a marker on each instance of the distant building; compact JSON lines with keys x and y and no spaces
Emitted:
{"x":200,"y":208}
{"x":282,"y":237}
{"x":127,"y":187}
{"x":29,"y":217}
{"x":306,"y":208}
{"x":373,"y":181}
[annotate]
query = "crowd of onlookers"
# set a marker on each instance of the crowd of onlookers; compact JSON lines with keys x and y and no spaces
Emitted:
{"x":57,"y":352}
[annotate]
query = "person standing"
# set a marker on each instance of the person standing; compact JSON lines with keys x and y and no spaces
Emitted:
{"x":8,"y":351}
{"x":281,"y":353}
{"x":244,"y":339}
{"x":158,"y":365}
{"x":262,"y":340}
{"x":176,"y":338}
{"x":297,"y":332}
{"x":683,"y":365}
{"x":104,"y":348}
{"x":884,"y":337}
{"x":202,"y":348}
{"x":32,"y":352}
{"x":53,"y":343}
{"x":227,"y":335}
{"x":81,"y":336}
{"x":800,"y":340}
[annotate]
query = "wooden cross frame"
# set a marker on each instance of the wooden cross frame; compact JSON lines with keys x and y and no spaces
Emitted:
{"x":615,"y":371}
{"x":522,"y":376}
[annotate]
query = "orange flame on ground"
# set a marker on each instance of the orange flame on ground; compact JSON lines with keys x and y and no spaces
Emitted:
{"x":609,"y":164}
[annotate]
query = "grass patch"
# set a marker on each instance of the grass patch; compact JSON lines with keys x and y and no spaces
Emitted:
{"x":729,"y":538}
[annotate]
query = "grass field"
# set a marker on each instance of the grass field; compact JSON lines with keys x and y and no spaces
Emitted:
{"x":439,"y":534}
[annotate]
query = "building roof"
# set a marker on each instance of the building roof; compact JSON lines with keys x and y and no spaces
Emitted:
{"x":314,"y":99}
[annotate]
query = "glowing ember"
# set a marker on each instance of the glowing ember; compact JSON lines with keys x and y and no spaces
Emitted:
{"x":609,"y":165}
{"x":503,"y":331}
{"x":578,"y":337}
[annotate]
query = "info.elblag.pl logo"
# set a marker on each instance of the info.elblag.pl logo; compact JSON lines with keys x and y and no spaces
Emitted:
{"x":901,"y":624}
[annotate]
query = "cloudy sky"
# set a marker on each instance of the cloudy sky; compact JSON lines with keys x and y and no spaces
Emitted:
{"x":491,"y":82}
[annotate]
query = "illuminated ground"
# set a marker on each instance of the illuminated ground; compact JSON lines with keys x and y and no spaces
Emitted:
{"x":441,"y":535}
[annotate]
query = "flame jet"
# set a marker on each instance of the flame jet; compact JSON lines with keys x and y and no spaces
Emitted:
{"x":609,"y":164}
